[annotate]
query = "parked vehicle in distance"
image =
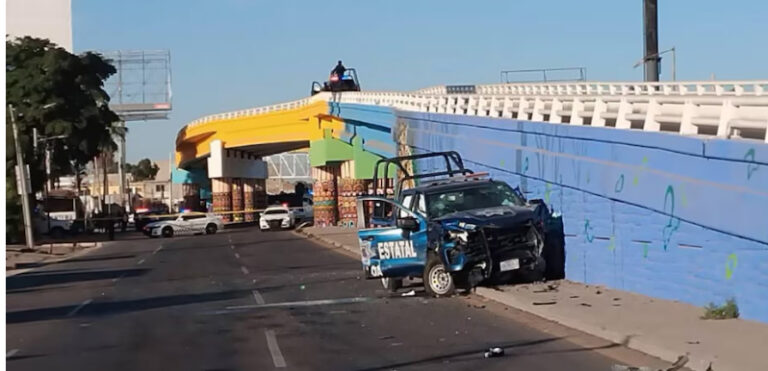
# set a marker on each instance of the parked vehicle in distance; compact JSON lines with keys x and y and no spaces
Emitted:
{"x":277,"y":217}
{"x":456,"y":229}
{"x":185,"y":224}
{"x":59,"y":215}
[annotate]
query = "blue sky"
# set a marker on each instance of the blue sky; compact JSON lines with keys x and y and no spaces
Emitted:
{"x":234,"y":54}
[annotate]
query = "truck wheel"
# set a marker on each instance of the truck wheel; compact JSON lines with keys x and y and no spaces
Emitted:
{"x":167,"y":232}
{"x":437,"y":280}
{"x":536,"y":273}
{"x":210,"y":229}
{"x":392,"y":284}
{"x":57,"y":232}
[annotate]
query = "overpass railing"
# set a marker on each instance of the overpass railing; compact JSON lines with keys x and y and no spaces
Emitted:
{"x":255,"y":111}
{"x":725,"y":109}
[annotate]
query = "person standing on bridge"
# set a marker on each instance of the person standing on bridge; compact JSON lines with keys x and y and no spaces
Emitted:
{"x":338,"y":71}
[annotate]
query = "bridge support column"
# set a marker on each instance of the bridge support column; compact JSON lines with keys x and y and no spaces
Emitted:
{"x":248,"y":201}
{"x":191,"y":194}
{"x":326,"y":194}
{"x":349,"y":189}
{"x":222,"y":197}
{"x":237,"y":200}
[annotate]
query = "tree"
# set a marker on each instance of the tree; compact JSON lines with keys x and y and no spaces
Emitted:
{"x":59,"y":94}
{"x":143,"y":170}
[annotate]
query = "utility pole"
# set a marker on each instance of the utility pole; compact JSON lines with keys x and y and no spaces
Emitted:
{"x":651,"y":40}
{"x":121,"y":168}
{"x":21,"y":174}
{"x":170,"y":183}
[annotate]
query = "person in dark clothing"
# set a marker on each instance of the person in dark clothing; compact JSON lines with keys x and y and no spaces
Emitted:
{"x":339,"y":70}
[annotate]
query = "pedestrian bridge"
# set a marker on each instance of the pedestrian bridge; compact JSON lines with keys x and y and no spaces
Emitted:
{"x":663,"y":187}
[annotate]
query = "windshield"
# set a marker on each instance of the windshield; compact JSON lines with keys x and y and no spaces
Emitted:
{"x":275,"y":211}
{"x":482,"y":196}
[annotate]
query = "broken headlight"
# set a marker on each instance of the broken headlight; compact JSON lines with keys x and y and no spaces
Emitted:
{"x":459,"y":236}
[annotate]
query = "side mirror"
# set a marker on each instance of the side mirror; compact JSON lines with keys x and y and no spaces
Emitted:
{"x":408,"y":223}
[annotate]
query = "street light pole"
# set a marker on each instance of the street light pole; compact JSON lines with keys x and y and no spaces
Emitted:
{"x":657,"y":55}
{"x":22,"y":174}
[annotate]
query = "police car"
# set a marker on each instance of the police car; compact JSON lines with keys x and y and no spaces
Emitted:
{"x":277,"y":217}
{"x":185,"y":224}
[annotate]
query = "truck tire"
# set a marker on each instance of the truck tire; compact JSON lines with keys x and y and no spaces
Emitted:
{"x":167,"y":232}
{"x":438,"y":282}
{"x":392,"y":284}
{"x":57,"y":232}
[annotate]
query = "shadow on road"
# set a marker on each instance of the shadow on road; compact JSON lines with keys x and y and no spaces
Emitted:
{"x":122,"y":306}
{"x":43,"y":278}
{"x":75,"y":260}
{"x":473,"y":352}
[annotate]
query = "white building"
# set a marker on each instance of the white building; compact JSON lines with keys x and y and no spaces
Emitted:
{"x":46,"y":19}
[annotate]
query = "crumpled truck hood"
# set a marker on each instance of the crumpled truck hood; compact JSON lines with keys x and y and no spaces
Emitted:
{"x":498,"y":217}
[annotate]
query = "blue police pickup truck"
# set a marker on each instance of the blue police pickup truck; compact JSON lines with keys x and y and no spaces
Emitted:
{"x":455,"y":229}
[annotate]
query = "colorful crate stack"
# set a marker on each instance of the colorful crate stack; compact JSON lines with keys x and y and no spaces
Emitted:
{"x":248,"y":202}
{"x":349,"y":190}
{"x":325,"y":195}
{"x":222,"y":197}
{"x":237,"y":199}
{"x":260,"y":194}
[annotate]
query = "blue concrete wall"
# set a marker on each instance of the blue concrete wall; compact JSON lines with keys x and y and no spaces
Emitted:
{"x":660,"y":214}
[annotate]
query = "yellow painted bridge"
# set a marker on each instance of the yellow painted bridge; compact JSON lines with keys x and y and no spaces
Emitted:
{"x":261,"y":132}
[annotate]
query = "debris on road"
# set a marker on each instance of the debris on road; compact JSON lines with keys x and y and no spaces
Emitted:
{"x":586,"y":305}
{"x":544,"y":302}
{"x":494,"y":352}
{"x":409,"y":293}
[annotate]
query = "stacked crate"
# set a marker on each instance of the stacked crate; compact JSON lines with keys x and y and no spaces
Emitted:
{"x":349,"y":190}
{"x":237,"y":200}
{"x":248,"y":186}
{"x":325,"y":195}
{"x":222,"y":198}
{"x":260,"y":194}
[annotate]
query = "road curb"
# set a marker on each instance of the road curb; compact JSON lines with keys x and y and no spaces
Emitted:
{"x":80,"y":249}
{"x":632,"y":341}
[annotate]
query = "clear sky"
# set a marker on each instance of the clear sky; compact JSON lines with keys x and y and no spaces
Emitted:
{"x":234,"y":54}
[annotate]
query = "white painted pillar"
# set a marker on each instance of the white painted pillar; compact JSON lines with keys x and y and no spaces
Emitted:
{"x":654,"y":108}
{"x":597,"y":114}
{"x":686,"y":125}
{"x":625,"y":108}
{"x":726,"y":115}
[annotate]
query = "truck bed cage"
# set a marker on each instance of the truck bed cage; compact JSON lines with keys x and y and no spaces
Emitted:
{"x":450,"y":157}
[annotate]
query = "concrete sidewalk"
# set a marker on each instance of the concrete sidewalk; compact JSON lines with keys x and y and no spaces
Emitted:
{"x":662,"y":328}
{"x":17,"y":260}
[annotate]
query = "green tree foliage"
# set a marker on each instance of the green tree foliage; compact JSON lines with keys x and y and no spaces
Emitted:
{"x":59,"y":94}
{"x":143,"y":170}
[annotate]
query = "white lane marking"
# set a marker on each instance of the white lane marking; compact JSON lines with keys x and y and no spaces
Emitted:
{"x":258,"y":298}
{"x":237,"y":255}
{"x":306,"y":303}
{"x":232,"y":247}
{"x":11,"y":353}
{"x":141,"y":262}
{"x":118,"y":278}
{"x":157,"y":250}
{"x":274,"y":349}
{"x":77,"y":308}
{"x":245,"y":270}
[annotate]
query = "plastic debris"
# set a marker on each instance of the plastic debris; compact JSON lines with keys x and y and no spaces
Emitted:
{"x":409,"y":293}
{"x":494,"y":352}
{"x":544,"y":302}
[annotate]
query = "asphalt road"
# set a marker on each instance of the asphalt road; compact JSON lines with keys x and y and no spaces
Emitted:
{"x":246,"y":300}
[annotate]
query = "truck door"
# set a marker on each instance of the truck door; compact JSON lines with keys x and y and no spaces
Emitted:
{"x":392,"y":238}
